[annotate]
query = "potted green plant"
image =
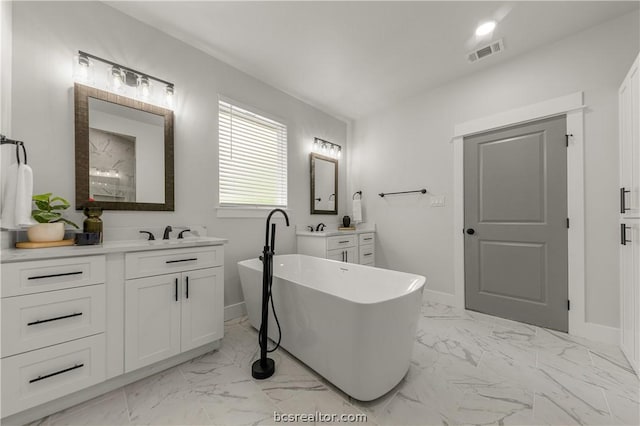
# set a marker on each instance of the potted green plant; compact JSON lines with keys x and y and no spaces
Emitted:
{"x":48,"y":214}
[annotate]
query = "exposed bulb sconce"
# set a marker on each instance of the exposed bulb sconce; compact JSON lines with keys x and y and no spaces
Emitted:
{"x":116,"y":79}
{"x":169,"y":92}
{"x":122,"y":80}
{"x":326,"y":148}
{"x":144,"y":87}
{"x":82,"y":69}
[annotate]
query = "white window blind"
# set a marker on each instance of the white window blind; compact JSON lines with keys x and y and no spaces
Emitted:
{"x":252,"y":158}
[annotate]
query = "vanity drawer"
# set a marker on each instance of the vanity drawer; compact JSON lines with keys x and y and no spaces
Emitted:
{"x":46,"y":275}
{"x":150,"y":263}
{"x":43,"y":375}
{"x":37,"y":320}
{"x":368,"y":238}
{"x":367,"y":254}
{"x":341,"y":241}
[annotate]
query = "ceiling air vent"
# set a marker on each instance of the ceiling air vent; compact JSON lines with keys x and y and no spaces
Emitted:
{"x":484,"y":51}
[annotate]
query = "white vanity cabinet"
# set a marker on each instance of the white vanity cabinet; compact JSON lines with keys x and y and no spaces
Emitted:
{"x":81,"y":321}
{"x":344,"y":246}
{"x":53,"y":324}
{"x":170,"y":313}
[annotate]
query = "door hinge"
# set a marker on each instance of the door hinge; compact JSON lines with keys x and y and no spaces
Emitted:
{"x":568,"y":305}
{"x":567,"y":138}
{"x":567,"y":222}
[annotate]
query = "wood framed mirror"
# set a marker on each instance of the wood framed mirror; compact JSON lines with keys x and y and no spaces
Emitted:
{"x":324,"y":184}
{"x":124,"y":152}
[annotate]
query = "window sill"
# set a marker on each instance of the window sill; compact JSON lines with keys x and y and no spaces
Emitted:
{"x":245,"y":212}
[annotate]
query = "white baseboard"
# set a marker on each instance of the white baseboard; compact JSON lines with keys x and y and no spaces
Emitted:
{"x":234,"y":311}
{"x":440,"y":297}
{"x":598,"y":333}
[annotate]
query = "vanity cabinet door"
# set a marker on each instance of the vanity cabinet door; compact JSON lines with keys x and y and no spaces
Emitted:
{"x":152,"y":319}
{"x":349,"y":255}
{"x":202,"y":307}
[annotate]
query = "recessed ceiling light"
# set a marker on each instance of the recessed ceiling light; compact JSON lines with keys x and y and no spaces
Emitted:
{"x":485,"y":28}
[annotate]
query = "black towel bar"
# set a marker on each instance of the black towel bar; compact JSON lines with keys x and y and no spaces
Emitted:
{"x":422,"y":191}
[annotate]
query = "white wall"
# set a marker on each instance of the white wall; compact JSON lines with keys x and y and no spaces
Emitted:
{"x":6,"y":152}
{"x":407,"y":147}
{"x":45,"y":37}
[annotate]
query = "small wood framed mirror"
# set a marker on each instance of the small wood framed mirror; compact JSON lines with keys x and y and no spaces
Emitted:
{"x":124,"y":152}
{"x":324,"y":184}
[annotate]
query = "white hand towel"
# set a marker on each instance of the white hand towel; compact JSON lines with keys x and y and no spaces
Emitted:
{"x":357,"y":211}
{"x":24,"y":194}
{"x":9,"y":197}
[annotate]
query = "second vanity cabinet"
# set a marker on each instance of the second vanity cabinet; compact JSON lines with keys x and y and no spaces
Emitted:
{"x":350,"y":247}
{"x":182,"y":290}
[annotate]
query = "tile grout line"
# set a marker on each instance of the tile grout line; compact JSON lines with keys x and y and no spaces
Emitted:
{"x":606,"y":400}
{"x":126,"y":404}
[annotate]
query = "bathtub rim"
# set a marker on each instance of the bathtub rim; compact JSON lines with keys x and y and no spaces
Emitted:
{"x":420,"y":287}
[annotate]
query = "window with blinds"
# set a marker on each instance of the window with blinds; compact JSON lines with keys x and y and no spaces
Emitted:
{"x":252,"y":159}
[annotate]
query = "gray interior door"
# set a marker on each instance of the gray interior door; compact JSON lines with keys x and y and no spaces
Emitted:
{"x":515,"y":208}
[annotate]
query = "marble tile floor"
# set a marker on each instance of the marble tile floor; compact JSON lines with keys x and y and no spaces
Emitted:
{"x":467,"y":368}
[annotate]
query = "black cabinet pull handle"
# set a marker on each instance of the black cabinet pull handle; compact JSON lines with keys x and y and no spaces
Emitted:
{"x":623,"y":206}
{"x":77,"y":314}
{"x":182,"y":260}
{"x":176,"y":289}
{"x":367,"y":239}
{"x":46,"y":376}
{"x":623,"y":234}
{"x":368,"y":254}
{"x":187,"y":282}
{"x":346,"y":255}
{"x":471,"y":231}
{"x":64,"y":274}
{"x":342,"y":242}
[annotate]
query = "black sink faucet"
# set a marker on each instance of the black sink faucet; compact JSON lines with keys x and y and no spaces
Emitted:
{"x":150,"y":234}
{"x":320,"y":227}
{"x":167,"y":230}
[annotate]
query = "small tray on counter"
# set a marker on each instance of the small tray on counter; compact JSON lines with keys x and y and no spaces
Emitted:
{"x":32,"y":245}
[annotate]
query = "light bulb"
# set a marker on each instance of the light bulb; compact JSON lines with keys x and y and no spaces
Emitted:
{"x":116,"y":78}
{"x":315,"y":146}
{"x":339,"y":151}
{"x":324,"y":147}
{"x":169,"y":92}
{"x":144,"y":87}
{"x":485,"y":28}
{"x":82,"y":69}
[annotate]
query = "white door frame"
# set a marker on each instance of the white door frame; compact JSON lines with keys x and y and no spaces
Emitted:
{"x":572,"y":106}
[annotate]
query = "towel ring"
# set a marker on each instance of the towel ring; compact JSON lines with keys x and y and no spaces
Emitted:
{"x":357,"y":193}
{"x":24,"y":152}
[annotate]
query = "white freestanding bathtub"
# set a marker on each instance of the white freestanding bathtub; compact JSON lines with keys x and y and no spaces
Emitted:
{"x":355,"y":325}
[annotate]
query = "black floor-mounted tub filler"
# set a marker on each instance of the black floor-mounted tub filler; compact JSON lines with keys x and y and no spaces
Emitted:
{"x":265,"y":367}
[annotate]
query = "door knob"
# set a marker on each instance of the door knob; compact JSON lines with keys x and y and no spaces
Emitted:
{"x":471,"y":231}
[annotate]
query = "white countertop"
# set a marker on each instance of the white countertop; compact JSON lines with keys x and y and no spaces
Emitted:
{"x":334,"y":232}
{"x":18,"y":255}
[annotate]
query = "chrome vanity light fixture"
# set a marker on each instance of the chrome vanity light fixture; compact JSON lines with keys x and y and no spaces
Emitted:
{"x":327,"y":148}
{"x":122,"y":80}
